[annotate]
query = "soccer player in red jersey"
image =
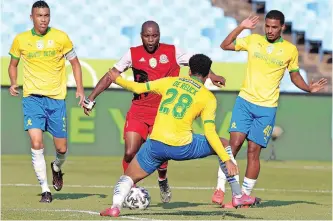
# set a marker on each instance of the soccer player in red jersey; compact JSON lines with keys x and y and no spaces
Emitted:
{"x":158,"y":60}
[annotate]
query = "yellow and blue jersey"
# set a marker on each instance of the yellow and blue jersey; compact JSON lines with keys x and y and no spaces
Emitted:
{"x":183,"y":100}
{"x":43,"y":62}
{"x":267,"y":63}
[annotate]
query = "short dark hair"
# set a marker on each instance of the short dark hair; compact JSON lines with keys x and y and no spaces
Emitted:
{"x":40,"y":4}
{"x":200,"y":65}
{"x":277,"y":15}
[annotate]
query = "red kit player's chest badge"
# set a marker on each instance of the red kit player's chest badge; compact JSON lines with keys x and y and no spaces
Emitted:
{"x":163,"y":59}
{"x":153,"y":62}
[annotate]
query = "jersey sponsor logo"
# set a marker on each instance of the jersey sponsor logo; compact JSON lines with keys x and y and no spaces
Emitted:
{"x":142,"y":59}
{"x":268,"y":59}
{"x":153,"y":62}
{"x":164,"y":59}
{"x":40,"y":44}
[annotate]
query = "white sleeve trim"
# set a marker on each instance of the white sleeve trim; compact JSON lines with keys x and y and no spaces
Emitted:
{"x":125,"y":62}
{"x":182,"y":58}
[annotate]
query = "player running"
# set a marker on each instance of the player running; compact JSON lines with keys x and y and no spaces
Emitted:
{"x":157,"y":60}
{"x":43,"y":51}
{"x":253,"y":116}
{"x":183,"y":100}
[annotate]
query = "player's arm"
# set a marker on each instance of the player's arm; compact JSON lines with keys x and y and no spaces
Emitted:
{"x":208,"y":119}
{"x":229,"y":42}
{"x":15,"y":54}
{"x":69,"y":53}
{"x":183,"y":59}
{"x":157,"y":86}
{"x":104,"y":83}
{"x":297,"y":78}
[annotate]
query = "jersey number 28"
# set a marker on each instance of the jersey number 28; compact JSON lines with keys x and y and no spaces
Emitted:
{"x":179,"y":107}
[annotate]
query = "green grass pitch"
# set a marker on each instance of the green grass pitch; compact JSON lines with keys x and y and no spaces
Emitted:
{"x":289,"y":190}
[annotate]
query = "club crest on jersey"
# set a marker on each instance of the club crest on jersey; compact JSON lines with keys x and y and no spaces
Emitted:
{"x":163,"y":59}
{"x":270,"y":49}
{"x":40,"y":44}
{"x":50,"y":43}
{"x":153,"y":62}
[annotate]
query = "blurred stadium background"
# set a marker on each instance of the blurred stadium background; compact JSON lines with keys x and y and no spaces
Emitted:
{"x":102,"y":31}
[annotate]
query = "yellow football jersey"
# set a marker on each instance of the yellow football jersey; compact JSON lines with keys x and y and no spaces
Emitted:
{"x":43,"y":62}
{"x":183,"y":100}
{"x":266,"y":66}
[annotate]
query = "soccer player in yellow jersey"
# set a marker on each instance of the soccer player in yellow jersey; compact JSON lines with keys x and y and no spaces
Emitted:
{"x":43,"y":51}
{"x":253,"y":116}
{"x":183,"y":100}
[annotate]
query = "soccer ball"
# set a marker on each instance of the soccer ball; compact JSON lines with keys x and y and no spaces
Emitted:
{"x":138,"y":198}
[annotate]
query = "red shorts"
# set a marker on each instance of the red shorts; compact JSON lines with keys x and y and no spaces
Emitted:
{"x":140,"y":120}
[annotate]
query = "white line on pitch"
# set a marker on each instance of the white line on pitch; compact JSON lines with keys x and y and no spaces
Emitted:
{"x":177,"y":188}
{"x":78,"y":211}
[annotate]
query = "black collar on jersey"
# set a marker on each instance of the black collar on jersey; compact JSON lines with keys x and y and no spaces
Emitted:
{"x":33,"y":32}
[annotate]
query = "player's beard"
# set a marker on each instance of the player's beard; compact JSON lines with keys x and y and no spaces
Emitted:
{"x":153,"y":50}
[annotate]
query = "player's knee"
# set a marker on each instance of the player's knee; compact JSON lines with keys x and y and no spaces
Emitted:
{"x":253,"y":153}
{"x":37,"y":144}
{"x":236,"y":143}
{"x":129,"y":155}
{"x":61,"y":147}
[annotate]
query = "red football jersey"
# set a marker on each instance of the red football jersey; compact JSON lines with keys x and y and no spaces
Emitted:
{"x":162,"y":63}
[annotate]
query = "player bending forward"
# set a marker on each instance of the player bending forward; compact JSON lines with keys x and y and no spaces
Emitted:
{"x":157,"y":60}
{"x":183,"y":100}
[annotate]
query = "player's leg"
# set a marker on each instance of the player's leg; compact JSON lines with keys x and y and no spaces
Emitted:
{"x":259,"y":136}
{"x":240,"y":124}
{"x":135,"y":133}
{"x":163,"y":183}
{"x":218,"y":195}
{"x":56,"y":125}
{"x":133,"y":142}
{"x":200,"y":148}
{"x":147,"y":160}
{"x":34,"y":123}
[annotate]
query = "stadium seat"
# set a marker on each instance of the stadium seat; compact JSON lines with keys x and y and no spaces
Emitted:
{"x":213,"y":34}
{"x":314,"y":32}
{"x":118,"y":31}
{"x":288,"y":86}
{"x":227,"y":23}
{"x":300,"y":22}
{"x":326,"y":45}
{"x":167,"y":39}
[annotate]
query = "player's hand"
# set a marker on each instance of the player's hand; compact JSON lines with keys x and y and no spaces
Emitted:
{"x":80,"y":94}
{"x":217,"y":80}
{"x":86,"y":111}
{"x":232,"y":168}
{"x":317,"y":86}
{"x":13,"y":91}
{"x":113,"y":75}
{"x":88,"y":105}
{"x":250,"y":22}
